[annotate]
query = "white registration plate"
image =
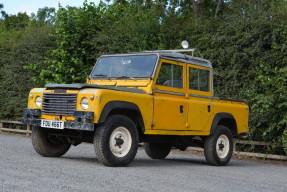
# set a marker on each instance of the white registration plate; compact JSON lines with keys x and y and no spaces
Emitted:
{"x":52,"y":124}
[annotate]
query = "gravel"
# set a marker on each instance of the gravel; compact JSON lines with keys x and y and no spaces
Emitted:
{"x":22,"y":169}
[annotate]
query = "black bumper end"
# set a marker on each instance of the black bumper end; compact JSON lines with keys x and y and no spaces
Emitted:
{"x":31,"y":117}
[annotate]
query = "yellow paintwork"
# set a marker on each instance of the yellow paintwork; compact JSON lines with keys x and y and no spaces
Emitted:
{"x":32,"y":97}
{"x":167,"y":106}
{"x":144,"y":84}
{"x":160,"y":106}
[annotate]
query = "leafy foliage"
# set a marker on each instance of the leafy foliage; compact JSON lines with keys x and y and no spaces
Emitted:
{"x":20,"y":46}
{"x":270,"y":101}
{"x":83,"y":34}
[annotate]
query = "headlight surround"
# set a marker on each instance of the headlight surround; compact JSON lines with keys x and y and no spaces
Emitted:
{"x":38,"y":101}
{"x":85,"y":103}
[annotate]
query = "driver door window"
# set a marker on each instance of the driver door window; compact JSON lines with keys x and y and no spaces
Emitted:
{"x":170,"y":75}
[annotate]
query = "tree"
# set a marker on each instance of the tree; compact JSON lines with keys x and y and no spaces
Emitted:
{"x":19,"y":21}
{"x":21,"y":42}
{"x":3,"y":13}
{"x":83,"y":34}
{"x":44,"y":16}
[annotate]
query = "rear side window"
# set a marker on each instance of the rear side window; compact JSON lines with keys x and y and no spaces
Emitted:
{"x":170,"y":75}
{"x":199,"y":79}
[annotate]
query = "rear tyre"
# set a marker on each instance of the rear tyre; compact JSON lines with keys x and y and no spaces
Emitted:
{"x":218,"y":147}
{"x":48,"y":145}
{"x":116,"y":141}
{"x":157,"y":150}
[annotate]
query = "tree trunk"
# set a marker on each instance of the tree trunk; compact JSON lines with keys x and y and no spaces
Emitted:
{"x":197,"y":7}
{"x":218,"y":7}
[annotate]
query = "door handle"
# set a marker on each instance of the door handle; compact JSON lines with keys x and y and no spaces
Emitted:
{"x":181,"y":109}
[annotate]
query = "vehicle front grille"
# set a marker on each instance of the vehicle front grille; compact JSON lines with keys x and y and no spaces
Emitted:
{"x":59,"y":104}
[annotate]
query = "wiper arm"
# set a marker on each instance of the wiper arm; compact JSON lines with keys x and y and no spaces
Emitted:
{"x":125,"y":77}
{"x":100,"y":75}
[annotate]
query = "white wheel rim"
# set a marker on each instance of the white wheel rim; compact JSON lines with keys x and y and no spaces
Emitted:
{"x":120,"y":141}
{"x":222,"y":146}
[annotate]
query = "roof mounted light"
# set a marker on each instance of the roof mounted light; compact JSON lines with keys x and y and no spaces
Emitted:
{"x":184,"y":44}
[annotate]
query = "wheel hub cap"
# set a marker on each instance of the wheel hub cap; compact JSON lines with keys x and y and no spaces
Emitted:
{"x":222,"y":146}
{"x":120,"y":141}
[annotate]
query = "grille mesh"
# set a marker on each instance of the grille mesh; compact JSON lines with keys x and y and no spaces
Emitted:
{"x":59,"y":104}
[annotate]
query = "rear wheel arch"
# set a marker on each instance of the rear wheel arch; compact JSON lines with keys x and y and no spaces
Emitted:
{"x":125,"y":108}
{"x":225,"y":119}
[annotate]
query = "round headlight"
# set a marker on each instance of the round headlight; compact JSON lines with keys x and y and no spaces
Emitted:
{"x":38,"y":101}
{"x":85,"y":103}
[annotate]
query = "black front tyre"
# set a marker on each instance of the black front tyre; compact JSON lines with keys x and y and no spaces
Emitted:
{"x":116,"y":141}
{"x":218,"y":147}
{"x":48,"y":145}
{"x":157,"y":150}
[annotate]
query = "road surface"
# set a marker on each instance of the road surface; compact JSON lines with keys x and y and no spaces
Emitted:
{"x":22,"y":169}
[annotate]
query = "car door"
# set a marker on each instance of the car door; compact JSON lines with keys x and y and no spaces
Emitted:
{"x":170,"y":104}
{"x":199,"y":103}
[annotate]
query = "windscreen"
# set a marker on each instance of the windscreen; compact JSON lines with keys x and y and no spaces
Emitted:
{"x":131,"y":66}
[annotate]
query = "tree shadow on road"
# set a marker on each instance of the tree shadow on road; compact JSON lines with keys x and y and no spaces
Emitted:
{"x":145,"y":161}
{"x":139,"y":162}
{"x":93,"y":160}
{"x":142,"y":162}
{"x":181,"y":162}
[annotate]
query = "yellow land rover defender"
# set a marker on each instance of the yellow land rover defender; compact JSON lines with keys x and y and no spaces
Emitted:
{"x":162,"y":98}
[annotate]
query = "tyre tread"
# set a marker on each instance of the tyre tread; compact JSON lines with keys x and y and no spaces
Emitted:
{"x":43,"y":147}
{"x":157,"y":150}
{"x":101,"y":138}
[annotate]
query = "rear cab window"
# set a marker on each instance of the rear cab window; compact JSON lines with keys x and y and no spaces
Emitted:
{"x":199,"y":80}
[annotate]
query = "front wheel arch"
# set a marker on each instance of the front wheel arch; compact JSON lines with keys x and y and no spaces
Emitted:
{"x":125,"y":108}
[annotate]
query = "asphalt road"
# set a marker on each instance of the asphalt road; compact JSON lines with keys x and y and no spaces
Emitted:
{"x":21,"y":169}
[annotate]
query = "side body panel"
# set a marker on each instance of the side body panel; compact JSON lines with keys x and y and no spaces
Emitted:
{"x":169,"y":112}
{"x":144,"y":102}
{"x":200,"y":114}
{"x":239,"y":110}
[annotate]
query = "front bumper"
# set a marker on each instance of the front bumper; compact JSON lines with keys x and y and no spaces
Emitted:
{"x":31,"y":117}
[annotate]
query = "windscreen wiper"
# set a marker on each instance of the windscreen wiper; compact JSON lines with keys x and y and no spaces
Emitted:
{"x":125,"y":77}
{"x":100,"y":75}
